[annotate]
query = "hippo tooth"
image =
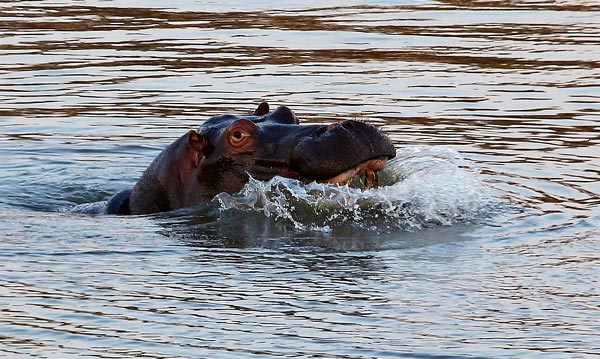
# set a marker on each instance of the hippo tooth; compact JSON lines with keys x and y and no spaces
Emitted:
{"x":371,"y":179}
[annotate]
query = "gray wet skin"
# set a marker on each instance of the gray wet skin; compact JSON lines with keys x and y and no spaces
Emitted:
{"x":227,"y":149}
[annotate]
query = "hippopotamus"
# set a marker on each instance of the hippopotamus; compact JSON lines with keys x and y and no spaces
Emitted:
{"x":227,"y":149}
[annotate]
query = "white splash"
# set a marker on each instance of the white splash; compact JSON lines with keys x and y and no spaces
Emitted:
{"x":423,"y":186}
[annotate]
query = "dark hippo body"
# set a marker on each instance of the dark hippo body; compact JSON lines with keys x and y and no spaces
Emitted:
{"x":227,"y":149}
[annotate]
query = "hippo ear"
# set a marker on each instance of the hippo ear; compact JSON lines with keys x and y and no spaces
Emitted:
{"x":196,"y":143}
{"x":262,"y":109}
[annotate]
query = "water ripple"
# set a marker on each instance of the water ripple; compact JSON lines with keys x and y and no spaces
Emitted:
{"x":91,"y":91}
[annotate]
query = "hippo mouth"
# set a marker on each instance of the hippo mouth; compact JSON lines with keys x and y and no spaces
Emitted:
{"x":366,"y":172}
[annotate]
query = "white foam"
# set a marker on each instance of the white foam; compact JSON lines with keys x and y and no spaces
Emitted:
{"x":423,"y":186}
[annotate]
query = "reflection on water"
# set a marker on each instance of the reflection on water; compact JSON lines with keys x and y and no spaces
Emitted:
{"x":91,"y":91}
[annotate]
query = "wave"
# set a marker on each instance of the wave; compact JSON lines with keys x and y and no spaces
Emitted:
{"x":423,"y":186}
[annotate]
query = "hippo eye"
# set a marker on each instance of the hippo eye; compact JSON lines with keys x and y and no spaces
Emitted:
{"x":238,"y":137}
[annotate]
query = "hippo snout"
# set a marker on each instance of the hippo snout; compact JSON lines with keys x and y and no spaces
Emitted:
{"x":336,"y":148}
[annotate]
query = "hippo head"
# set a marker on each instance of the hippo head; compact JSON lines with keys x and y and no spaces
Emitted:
{"x":274,"y":144}
{"x":227,"y":149}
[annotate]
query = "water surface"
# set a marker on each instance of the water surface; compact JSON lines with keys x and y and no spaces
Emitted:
{"x":483,"y":243}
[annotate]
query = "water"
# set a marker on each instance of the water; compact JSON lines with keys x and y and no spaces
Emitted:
{"x":483,"y":241}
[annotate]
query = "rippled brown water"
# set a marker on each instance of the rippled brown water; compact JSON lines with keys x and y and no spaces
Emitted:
{"x":90,"y":91}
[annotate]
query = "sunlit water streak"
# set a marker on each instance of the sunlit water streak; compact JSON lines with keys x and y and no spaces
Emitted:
{"x":481,"y":242}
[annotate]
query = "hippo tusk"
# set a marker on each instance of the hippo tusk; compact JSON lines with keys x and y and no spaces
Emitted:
{"x":368,"y":170}
{"x":370,"y":179}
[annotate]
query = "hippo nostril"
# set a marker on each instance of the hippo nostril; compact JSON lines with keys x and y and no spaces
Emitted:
{"x":349,"y":124}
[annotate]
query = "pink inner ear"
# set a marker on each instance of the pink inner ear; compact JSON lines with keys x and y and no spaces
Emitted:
{"x":196,"y":144}
{"x":195,"y":141}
